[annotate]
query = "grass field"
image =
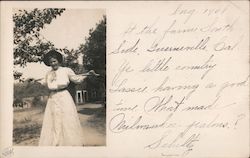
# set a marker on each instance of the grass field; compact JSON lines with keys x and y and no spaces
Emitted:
{"x":27,"y":125}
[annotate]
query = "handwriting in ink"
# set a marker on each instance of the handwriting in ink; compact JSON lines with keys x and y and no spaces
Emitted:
{"x":157,"y":65}
{"x":156,"y":46}
{"x":223,"y":45}
{"x":125,"y":67}
{"x":127,"y":47}
{"x":184,"y":12}
{"x":184,"y":139}
{"x":157,"y":104}
{"x":163,"y":87}
{"x":7,"y":152}
{"x":121,"y":123}
{"x":207,"y":66}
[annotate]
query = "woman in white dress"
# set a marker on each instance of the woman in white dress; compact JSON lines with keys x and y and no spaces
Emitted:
{"x":61,"y":124}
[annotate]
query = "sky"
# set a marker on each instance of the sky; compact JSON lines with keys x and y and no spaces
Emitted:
{"x":68,"y":30}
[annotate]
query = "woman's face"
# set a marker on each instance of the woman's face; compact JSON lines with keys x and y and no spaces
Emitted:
{"x":54,"y":63}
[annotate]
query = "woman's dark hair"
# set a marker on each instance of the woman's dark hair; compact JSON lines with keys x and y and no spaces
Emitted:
{"x":52,"y":54}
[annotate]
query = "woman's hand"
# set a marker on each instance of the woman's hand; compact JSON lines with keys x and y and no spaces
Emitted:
{"x":32,"y":80}
{"x":92,"y":73}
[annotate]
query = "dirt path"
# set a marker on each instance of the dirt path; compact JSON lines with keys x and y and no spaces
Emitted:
{"x":28,"y":123}
{"x":93,"y":124}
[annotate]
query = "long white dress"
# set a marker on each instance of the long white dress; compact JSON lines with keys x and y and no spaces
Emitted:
{"x":61,"y":124}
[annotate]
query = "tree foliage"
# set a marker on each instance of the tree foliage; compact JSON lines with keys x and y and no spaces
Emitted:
{"x":71,"y":59}
{"x":94,"y":50}
{"x":94,"y":57}
{"x":29,"y":44}
{"x":29,"y":89}
{"x":17,"y":76}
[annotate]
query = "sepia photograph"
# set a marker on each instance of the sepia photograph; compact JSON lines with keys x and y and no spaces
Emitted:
{"x":59,"y":77}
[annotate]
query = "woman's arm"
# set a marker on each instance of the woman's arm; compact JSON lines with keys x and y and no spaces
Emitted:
{"x":81,"y":77}
{"x":75,"y":78}
{"x":90,"y":73}
{"x":40,"y":81}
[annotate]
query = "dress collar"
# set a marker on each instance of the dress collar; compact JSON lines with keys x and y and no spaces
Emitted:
{"x":55,"y":70}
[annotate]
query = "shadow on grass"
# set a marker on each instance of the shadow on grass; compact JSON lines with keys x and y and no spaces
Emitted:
{"x":27,"y":129}
{"x":98,"y":118}
{"x":90,"y":111}
{"x":27,"y":132}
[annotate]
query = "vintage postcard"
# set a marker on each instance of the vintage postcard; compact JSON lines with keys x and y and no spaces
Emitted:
{"x":164,"y":79}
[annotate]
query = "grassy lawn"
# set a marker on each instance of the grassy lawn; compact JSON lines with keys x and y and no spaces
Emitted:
{"x":27,"y":125}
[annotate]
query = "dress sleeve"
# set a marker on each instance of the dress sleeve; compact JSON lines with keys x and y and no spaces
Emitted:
{"x":43,"y":81}
{"x":75,"y":78}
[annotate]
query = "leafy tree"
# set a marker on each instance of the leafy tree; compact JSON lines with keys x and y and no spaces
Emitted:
{"x":94,"y":50}
{"x":29,"y":45}
{"x":94,"y":56}
{"x":17,"y":76}
{"x":71,"y":59}
{"x":28,"y":88}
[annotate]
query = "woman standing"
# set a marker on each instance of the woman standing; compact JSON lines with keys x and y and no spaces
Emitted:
{"x":61,"y":124}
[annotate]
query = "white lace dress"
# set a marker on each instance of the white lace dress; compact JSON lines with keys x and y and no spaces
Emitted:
{"x":61,"y":124}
